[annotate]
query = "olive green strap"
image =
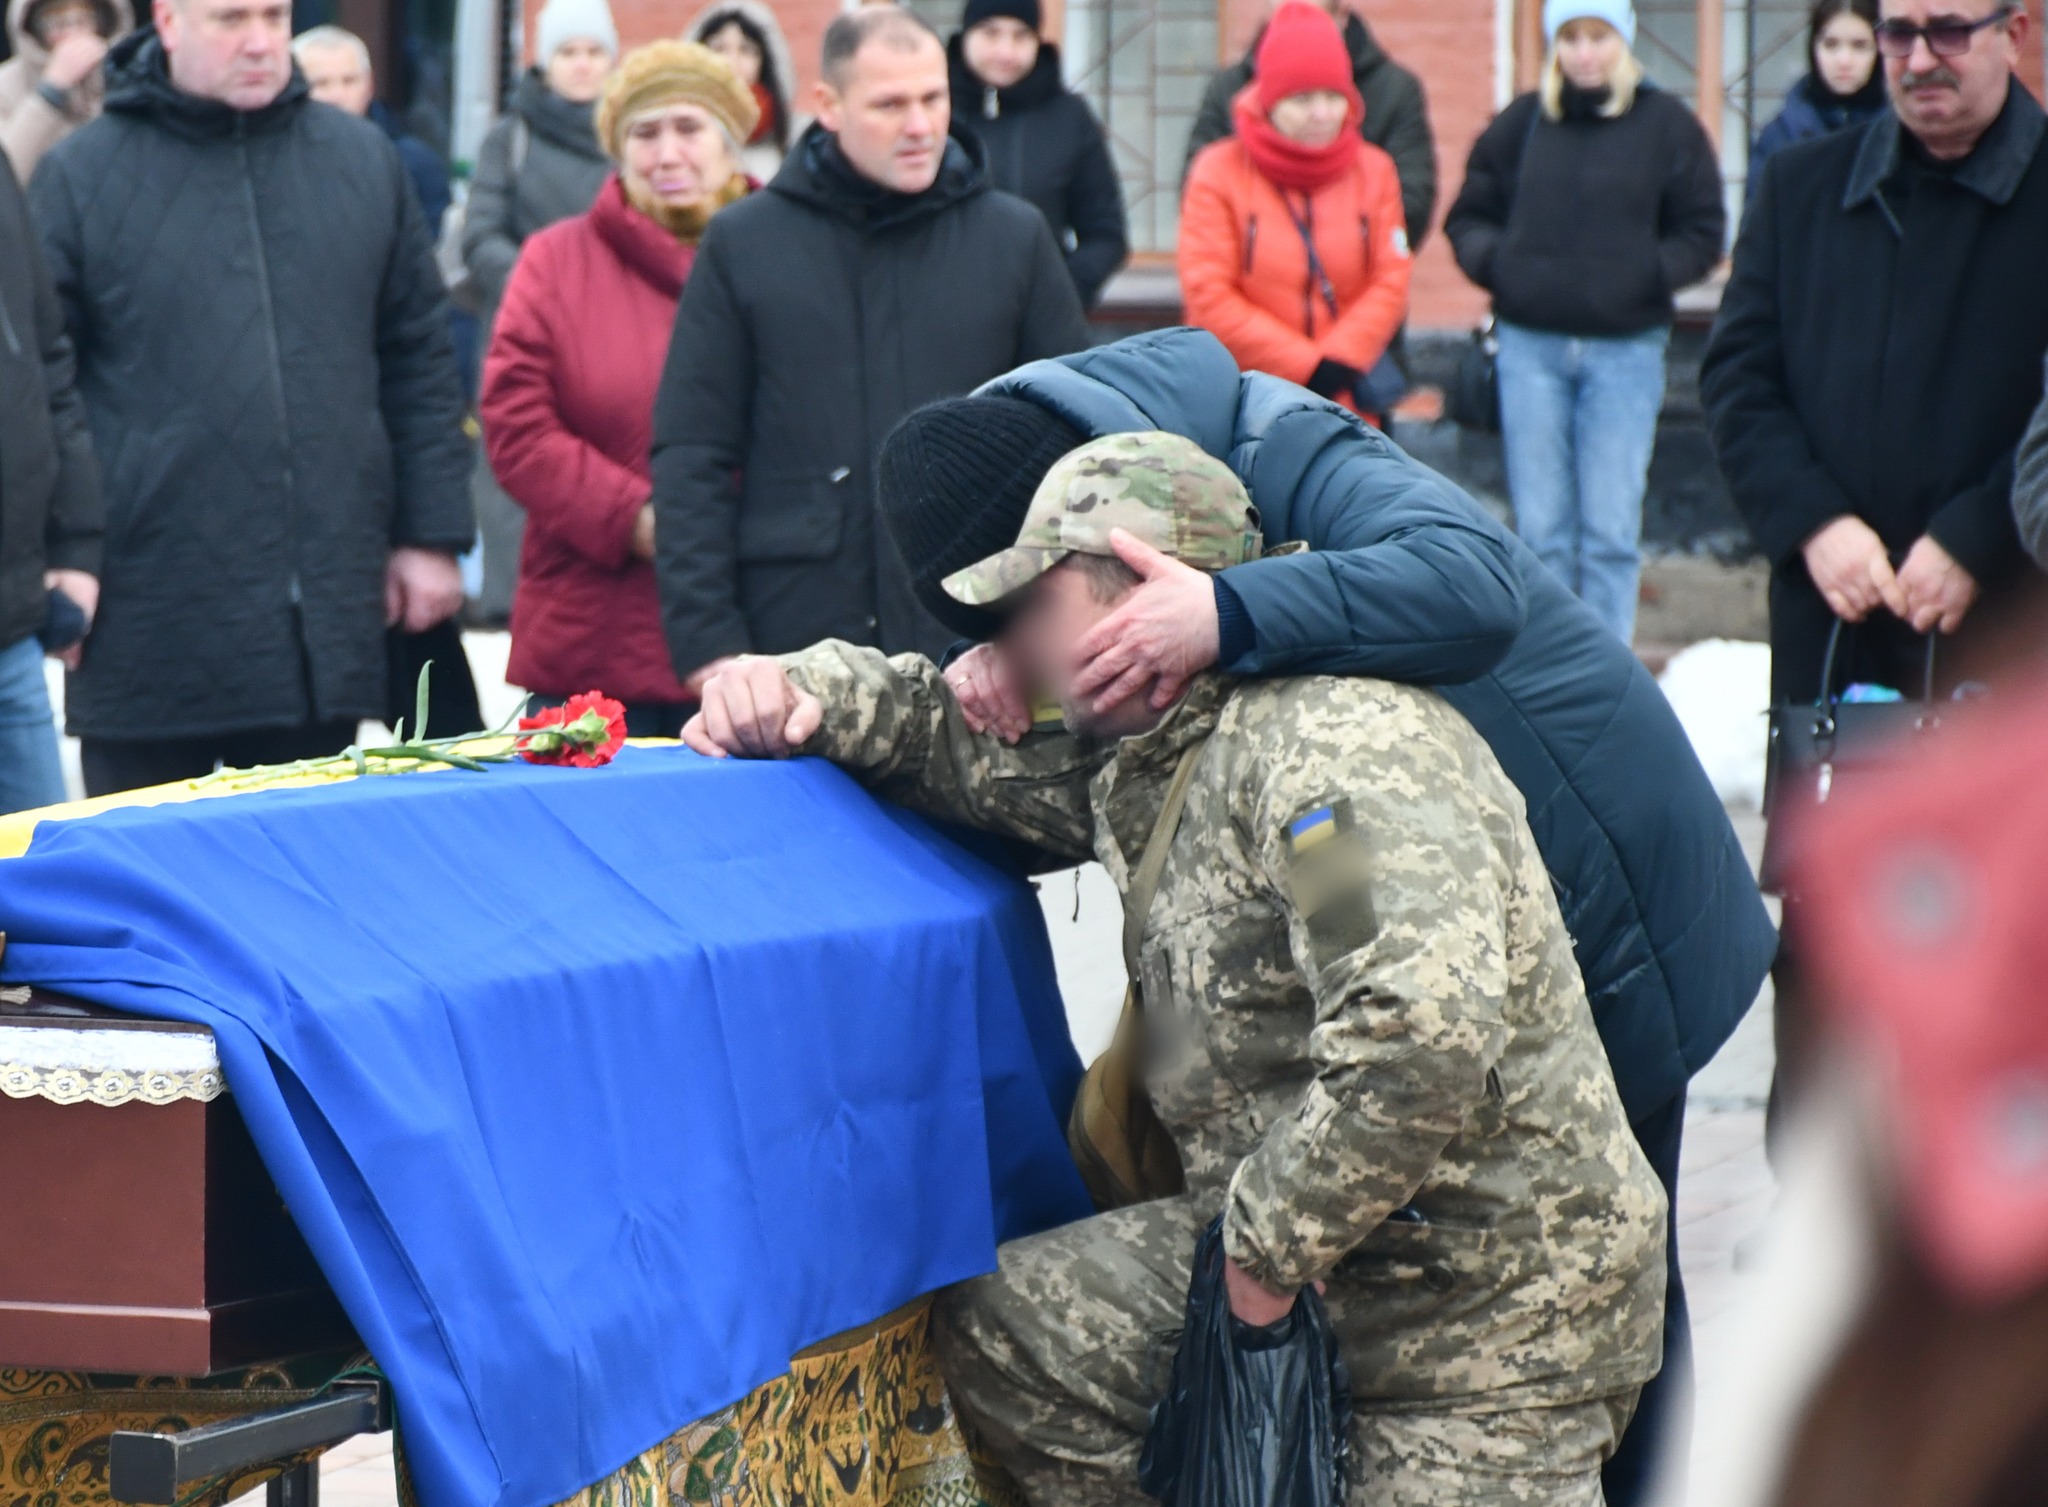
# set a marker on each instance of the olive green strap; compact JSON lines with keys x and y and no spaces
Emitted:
{"x":1145,"y":880}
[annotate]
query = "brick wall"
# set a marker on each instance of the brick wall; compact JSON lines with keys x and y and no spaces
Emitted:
{"x":1450,"y":44}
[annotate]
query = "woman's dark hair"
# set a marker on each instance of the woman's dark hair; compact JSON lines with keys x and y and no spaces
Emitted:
{"x":1825,"y":11}
{"x":777,"y":86}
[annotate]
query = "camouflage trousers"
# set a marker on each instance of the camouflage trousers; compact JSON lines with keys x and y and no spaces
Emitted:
{"x":1055,"y":1360}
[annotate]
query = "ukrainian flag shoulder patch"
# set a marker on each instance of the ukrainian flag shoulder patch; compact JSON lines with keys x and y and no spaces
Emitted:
{"x":1313,"y":828}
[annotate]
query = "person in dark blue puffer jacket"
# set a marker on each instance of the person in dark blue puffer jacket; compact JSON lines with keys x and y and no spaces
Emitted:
{"x":1844,"y":86}
{"x":1407,"y":579}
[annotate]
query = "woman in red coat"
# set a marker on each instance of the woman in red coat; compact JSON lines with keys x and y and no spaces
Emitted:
{"x":568,"y":391}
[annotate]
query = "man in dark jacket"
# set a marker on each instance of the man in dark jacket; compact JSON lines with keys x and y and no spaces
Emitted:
{"x":263,"y":350}
{"x":1396,"y":115}
{"x":1873,"y":267}
{"x":1407,"y":579}
{"x":1042,"y":141}
{"x":878,"y":272}
{"x":50,"y":520}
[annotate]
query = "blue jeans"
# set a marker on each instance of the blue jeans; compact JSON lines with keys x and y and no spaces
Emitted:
{"x":1579,"y":420}
{"x":31,"y":773}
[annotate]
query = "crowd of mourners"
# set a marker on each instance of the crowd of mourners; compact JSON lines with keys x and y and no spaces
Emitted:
{"x":679,"y":423}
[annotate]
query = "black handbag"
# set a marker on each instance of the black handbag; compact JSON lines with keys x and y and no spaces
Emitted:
{"x":1474,"y":399}
{"x":1814,"y":747}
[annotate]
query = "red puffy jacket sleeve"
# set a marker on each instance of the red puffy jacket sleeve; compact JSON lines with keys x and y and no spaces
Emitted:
{"x":566,"y":485}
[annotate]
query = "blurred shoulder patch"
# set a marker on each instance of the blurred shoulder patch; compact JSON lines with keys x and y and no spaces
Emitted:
{"x":1329,"y":873}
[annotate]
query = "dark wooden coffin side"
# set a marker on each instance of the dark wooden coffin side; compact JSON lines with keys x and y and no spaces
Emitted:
{"x":146,"y":1238}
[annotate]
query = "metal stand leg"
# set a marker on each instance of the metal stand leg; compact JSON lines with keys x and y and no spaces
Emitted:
{"x":146,"y":1469}
{"x":297,"y":1487}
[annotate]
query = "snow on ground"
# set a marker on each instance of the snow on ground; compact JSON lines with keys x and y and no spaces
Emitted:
{"x":1721,"y":691}
{"x":74,"y":782}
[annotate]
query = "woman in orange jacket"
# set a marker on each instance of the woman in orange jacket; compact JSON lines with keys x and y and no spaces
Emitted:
{"x":1293,"y":248}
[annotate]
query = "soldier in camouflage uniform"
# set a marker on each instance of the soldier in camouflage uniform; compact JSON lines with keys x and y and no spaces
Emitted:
{"x":1364,"y":1028}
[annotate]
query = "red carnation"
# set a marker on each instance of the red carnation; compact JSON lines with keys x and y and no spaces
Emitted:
{"x":585,"y":731}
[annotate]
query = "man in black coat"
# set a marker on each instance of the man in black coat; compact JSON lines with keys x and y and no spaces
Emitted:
{"x":1042,"y":141}
{"x":50,"y":521}
{"x":263,"y":351}
{"x":1396,"y":115}
{"x":877,"y":272}
{"x":1878,"y":354}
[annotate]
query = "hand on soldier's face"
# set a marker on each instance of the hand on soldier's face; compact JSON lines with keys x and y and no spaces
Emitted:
{"x":753,"y":710}
{"x":1159,"y":637}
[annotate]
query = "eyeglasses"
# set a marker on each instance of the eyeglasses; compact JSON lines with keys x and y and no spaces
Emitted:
{"x":1947,"y":36}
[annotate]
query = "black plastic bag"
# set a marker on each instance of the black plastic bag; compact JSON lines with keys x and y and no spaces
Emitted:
{"x":1251,"y":1417}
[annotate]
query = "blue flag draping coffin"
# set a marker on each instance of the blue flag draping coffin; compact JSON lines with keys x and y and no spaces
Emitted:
{"x":597,"y":1094}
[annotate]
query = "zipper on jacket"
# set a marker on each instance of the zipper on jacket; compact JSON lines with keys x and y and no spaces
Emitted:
{"x":991,"y":103}
{"x":7,"y":328}
{"x":269,"y":312}
{"x":1251,"y":241}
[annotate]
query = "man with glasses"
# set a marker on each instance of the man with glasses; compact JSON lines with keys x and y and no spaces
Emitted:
{"x":1875,"y":363}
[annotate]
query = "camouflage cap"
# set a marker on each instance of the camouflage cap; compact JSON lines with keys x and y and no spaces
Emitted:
{"x":1158,"y":487}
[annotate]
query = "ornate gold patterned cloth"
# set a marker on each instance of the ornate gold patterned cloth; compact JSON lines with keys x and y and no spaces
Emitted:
{"x":859,"y":1421}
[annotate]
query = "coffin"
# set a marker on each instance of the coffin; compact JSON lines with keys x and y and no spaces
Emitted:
{"x":141,"y":1234}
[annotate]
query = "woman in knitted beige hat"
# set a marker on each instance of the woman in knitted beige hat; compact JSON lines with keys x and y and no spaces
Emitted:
{"x":568,"y":390}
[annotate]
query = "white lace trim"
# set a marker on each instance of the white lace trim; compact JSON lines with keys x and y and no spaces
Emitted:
{"x":87,"y":1066}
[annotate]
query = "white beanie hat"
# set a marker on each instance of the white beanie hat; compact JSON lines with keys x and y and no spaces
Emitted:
{"x":565,"y":21}
{"x":1619,"y":14}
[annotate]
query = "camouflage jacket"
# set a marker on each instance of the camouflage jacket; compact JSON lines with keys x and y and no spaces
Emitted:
{"x":1364,"y":1025}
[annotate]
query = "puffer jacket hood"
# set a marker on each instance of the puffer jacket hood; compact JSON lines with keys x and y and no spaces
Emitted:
{"x":817,"y":173}
{"x":561,"y":122}
{"x":29,"y":124}
{"x":139,"y":83}
{"x":781,"y":61}
{"x":972,"y":97}
{"x":116,"y":19}
{"x":1670,"y":932}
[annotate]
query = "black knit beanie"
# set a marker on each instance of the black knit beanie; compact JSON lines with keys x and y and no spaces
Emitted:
{"x":978,"y":11}
{"x":956,"y":478}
